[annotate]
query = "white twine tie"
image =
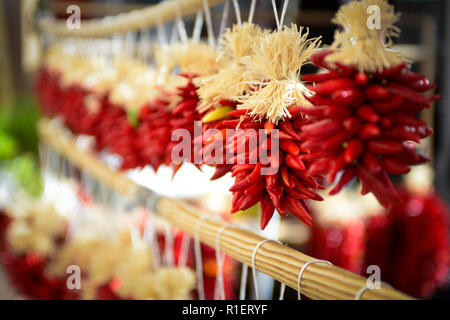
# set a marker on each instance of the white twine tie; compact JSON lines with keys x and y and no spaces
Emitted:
{"x":302,"y":270}
{"x":255,"y":282}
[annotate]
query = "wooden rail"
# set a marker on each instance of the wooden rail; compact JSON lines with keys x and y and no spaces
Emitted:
{"x":134,"y":20}
{"x":319,"y":281}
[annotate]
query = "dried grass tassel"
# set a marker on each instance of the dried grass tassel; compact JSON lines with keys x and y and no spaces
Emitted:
{"x":274,"y":70}
{"x":229,"y":81}
{"x":361,"y":43}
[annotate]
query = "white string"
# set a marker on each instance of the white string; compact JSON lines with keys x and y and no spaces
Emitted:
{"x":184,"y":249}
{"x":219,"y":261}
{"x":169,"y":251}
{"x":275,"y":12}
{"x":279,"y":21}
{"x":198,"y":24}
{"x":243,"y":285}
{"x":223,"y":21}
{"x":237,"y":12}
{"x":255,"y":282}
{"x":174,"y":33}
{"x":151,"y":237}
{"x":209,"y":25}
{"x":302,"y":270}
{"x":180,"y":24}
{"x":161,"y":33}
{"x":283,"y":12}
{"x":198,"y":257}
{"x":366,"y":287}
{"x":252,"y":11}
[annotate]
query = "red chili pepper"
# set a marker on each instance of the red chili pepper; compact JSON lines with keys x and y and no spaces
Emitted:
{"x":319,"y":167}
{"x":388,"y":106}
{"x":369,"y":131}
{"x":297,"y":194}
{"x":237,"y":197}
{"x":220,"y":171}
{"x":335,"y":142}
{"x":238,"y":112}
{"x":407,"y":93}
{"x":330,"y":86}
{"x":347,"y":176}
{"x":377,"y":186}
{"x":337,"y":165}
{"x":371,"y":162}
{"x":269,"y":126}
{"x":348,"y":97}
{"x":390,"y":71}
{"x":402,"y":133}
{"x":294,"y":162}
{"x":385,"y":147}
{"x":321,"y":77}
{"x":345,"y":70}
{"x":317,"y":111}
{"x":271,"y":180}
{"x":337,"y":112}
{"x":185,"y":105}
{"x":367,"y":113}
{"x":394,"y":166}
{"x":307,"y":181}
{"x":354,"y":150}
{"x":352,"y":124}
{"x":255,"y":188}
{"x":249,"y":201}
{"x":287,"y":128}
{"x":267,"y":210}
{"x":285,"y":177}
{"x":386,"y":122}
{"x":289,"y":147}
{"x":319,"y":58}
{"x":377,"y":92}
{"x":319,"y":100}
{"x":275,"y":192}
{"x":408,"y":120}
{"x":296,"y":208}
{"x":361,"y":79}
{"x":322,"y":128}
{"x":294,"y":111}
{"x":240,"y":168}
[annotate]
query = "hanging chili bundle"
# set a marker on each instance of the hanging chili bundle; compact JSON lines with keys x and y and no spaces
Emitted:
{"x":218,"y":91}
{"x":194,"y":59}
{"x":363,"y":121}
{"x":153,"y":132}
{"x":281,"y":180}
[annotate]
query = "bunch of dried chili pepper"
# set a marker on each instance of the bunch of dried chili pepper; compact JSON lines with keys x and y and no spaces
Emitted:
{"x":363,"y":122}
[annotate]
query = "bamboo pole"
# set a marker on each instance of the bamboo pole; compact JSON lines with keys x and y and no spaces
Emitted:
{"x":131,"y":21}
{"x":319,"y":281}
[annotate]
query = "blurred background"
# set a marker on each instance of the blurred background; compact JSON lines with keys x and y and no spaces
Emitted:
{"x":350,"y":232}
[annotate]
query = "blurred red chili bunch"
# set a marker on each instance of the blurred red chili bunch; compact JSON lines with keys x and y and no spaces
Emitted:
{"x":409,"y":242}
{"x":364,"y":125}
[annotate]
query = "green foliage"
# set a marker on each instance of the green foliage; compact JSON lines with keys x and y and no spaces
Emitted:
{"x":18,"y":143}
{"x":23,"y":123}
{"x":26,"y":173}
{"x":8,"y":146}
